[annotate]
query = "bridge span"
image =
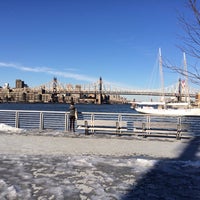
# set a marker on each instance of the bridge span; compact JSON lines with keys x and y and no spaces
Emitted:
{"x":128,"y":92}
{"x":107,"y":89}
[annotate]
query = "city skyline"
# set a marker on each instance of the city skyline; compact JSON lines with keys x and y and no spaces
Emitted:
{"x":80,"y":41}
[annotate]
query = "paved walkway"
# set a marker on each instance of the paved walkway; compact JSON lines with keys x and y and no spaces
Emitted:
{"x":38,"y":167}
{"x":45,"y":145}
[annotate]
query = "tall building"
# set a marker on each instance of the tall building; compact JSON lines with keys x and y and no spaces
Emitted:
{"x":19,"y":83}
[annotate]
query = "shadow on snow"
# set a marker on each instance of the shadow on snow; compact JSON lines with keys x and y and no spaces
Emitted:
{"x":171,"y":179}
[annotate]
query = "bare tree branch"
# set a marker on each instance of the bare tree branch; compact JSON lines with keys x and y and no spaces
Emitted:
{"x":192,"y":29}
{"x":190,"y":42}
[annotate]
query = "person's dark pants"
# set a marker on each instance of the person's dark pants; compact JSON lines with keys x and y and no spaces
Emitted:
{"x":72,"y":123}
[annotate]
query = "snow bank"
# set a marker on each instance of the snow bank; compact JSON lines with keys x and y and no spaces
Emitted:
{"x":7,"y":128}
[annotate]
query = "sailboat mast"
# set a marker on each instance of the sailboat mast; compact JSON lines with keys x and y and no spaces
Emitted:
{"x":186,"y":78}
{"x":161,"y":74}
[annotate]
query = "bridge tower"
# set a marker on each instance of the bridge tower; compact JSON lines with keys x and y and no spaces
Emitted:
{"x":54,"y":93}
{"x":54,"y":85}
{"x":100,"y":91}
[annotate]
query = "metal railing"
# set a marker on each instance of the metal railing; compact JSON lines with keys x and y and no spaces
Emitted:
{"x":58,"y":120}
{"x":35,"y":119}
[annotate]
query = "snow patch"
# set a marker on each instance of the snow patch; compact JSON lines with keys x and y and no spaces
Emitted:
{"x":7,"y":128}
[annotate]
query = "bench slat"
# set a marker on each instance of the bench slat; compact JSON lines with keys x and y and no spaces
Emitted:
{"x":102,"y":125}
{"x":160,"y":125}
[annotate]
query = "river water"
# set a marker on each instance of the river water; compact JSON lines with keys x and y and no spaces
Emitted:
{"x":116,"y":108}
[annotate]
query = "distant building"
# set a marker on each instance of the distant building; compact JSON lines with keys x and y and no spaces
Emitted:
{"x":22,"y":93}
{"x":6,"y":86}
{"x":20,"y":84}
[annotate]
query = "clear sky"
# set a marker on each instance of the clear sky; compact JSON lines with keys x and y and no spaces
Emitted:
{"x":78,"y":41}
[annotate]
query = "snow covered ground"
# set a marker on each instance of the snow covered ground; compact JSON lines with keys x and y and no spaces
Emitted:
{"x":58,"y":165}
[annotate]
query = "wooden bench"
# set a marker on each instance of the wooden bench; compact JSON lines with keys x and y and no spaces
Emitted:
{"x":160,"y":128}
{"x":84,"y":125}
{"x":92,"y":126}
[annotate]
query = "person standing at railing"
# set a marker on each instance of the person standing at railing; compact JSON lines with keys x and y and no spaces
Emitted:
{"x":72,"y":116}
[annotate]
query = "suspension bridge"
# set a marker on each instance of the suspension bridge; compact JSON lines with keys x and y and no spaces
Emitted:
{"x":55,"y":86}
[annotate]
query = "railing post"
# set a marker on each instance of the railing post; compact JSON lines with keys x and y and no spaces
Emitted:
{"x":119,"y":117}
{"x":118,"y":124}
{"x":66,"y":122}
{"x":144,"y":129}
{"x":16,"y":119}
{"x":149,"y":122}
{"x":178,"y":135}
{"x":92,"y":122}
{"x":41,"y":121}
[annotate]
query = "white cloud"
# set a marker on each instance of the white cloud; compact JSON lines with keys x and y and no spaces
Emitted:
{"x":108,"y":85}
{"x":47,"y":70}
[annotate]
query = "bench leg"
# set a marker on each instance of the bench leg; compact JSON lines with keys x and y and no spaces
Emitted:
{"x":118,"y":129}
{"x":178,"y":134}
{"x":86,"y":128}
{"x":144,"y":130}
{"x":86,"y":131}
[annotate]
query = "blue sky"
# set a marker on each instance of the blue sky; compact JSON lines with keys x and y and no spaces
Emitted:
{"x":80,"y":40}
